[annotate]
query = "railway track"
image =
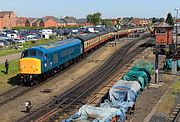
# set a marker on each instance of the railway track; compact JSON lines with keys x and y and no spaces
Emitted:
{"x":74,"y":98}
{"x":177,"y":119}
{"x":175,"y":115}
{"x":20,"y":90}
{"x":12,"y":94}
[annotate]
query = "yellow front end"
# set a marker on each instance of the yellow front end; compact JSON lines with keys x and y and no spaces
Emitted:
{"x":29,"y":66}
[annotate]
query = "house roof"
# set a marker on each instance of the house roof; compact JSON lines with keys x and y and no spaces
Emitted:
{"x":22,"y":20}
{"x":70,"y":19}
{"x":61,"y":20}
{"x":54,"y":18}
{"x":81,"y":20}
{"x":3,"y":13}
{"x":32,"y":20}
{"x":164,"y":25}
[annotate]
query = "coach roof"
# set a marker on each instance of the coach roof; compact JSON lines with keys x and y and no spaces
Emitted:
{"x":87,"y":37}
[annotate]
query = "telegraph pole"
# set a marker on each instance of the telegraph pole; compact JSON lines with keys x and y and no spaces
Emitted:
{"x":174,"y":62}
{"x":156,"y":65}
{"x":176,"y":9}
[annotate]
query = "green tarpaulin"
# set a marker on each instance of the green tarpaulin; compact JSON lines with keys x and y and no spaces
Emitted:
{"x":140,"y":72}
{"x":168,"y":64}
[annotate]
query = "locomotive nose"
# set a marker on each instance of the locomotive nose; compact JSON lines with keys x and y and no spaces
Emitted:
{"x":29,"y":66}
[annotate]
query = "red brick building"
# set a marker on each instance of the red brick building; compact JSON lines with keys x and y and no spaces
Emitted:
{"x":164,"y":34}
{"x":30,"y":22}
{"x":8,"y":19}
{"x":47,"y":21}
{"x":21,"y":21}
{"x":51,"y":21}
{"x":140,"y":22}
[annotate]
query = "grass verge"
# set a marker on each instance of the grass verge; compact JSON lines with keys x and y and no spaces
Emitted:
{"x":8,"y":80}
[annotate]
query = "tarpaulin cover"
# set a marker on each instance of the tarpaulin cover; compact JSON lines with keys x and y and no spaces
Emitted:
{"x":168,"y":64}
{"x":141,"y":72}
{"x":134,"y":75}
{"x":122,"y":89}
{"x":147,"y":65}
{"x":121,"y":97}
{"x":97,"y":114}
{"x":123,"y":94}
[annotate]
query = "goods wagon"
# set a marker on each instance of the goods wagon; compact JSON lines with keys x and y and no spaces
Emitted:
{"x":120,"y":98}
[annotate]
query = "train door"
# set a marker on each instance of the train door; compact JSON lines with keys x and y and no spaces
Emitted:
{"x":48,"y":62}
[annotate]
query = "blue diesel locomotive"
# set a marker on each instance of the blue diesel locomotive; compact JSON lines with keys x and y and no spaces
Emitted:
{"x":41,"y":59}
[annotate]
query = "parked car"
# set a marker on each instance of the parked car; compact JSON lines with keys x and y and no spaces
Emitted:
{"x":34,"y":39}
{"x":19,"y":41}
{"x":9,"y":41}
{"x":1,"y":44}
{"x":4,"y":42}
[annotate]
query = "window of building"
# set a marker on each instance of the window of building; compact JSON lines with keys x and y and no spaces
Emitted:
{"x":161,"y":30}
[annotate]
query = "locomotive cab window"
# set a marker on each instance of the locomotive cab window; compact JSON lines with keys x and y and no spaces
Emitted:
{"x":24,"y":54}
{"x":40,"y":54}
{"x":32,"y":53}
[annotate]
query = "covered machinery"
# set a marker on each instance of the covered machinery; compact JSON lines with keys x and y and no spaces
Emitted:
{"x":168,"y":64}
{"x":120,"y":98}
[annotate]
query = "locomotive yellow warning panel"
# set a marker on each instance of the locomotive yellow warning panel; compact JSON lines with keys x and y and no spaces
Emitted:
{"x":29,"y":66}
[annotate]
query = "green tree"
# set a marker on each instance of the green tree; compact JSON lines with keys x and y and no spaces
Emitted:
{"x":154,"y":20}
{"x":90,"y":18}
{"x":161,"y":20}
{"x":94,"y":19}
{"x":97,"y":18}
{"x":169,"y":19}
{"x":107,"y":22}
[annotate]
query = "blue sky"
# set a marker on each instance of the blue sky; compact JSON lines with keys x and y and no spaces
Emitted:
{"x":80,"y":8}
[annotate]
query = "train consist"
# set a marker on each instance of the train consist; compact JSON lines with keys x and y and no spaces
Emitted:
{"x":40,"y":62}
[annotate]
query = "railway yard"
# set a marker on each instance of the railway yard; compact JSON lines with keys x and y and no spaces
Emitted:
{"x":89,"y":80}
{"x":89,"y":61}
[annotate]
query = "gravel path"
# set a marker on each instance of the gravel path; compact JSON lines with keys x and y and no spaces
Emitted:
{"x":9,"y":57}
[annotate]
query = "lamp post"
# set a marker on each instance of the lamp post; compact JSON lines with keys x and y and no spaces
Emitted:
{"x":176,"y":9}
